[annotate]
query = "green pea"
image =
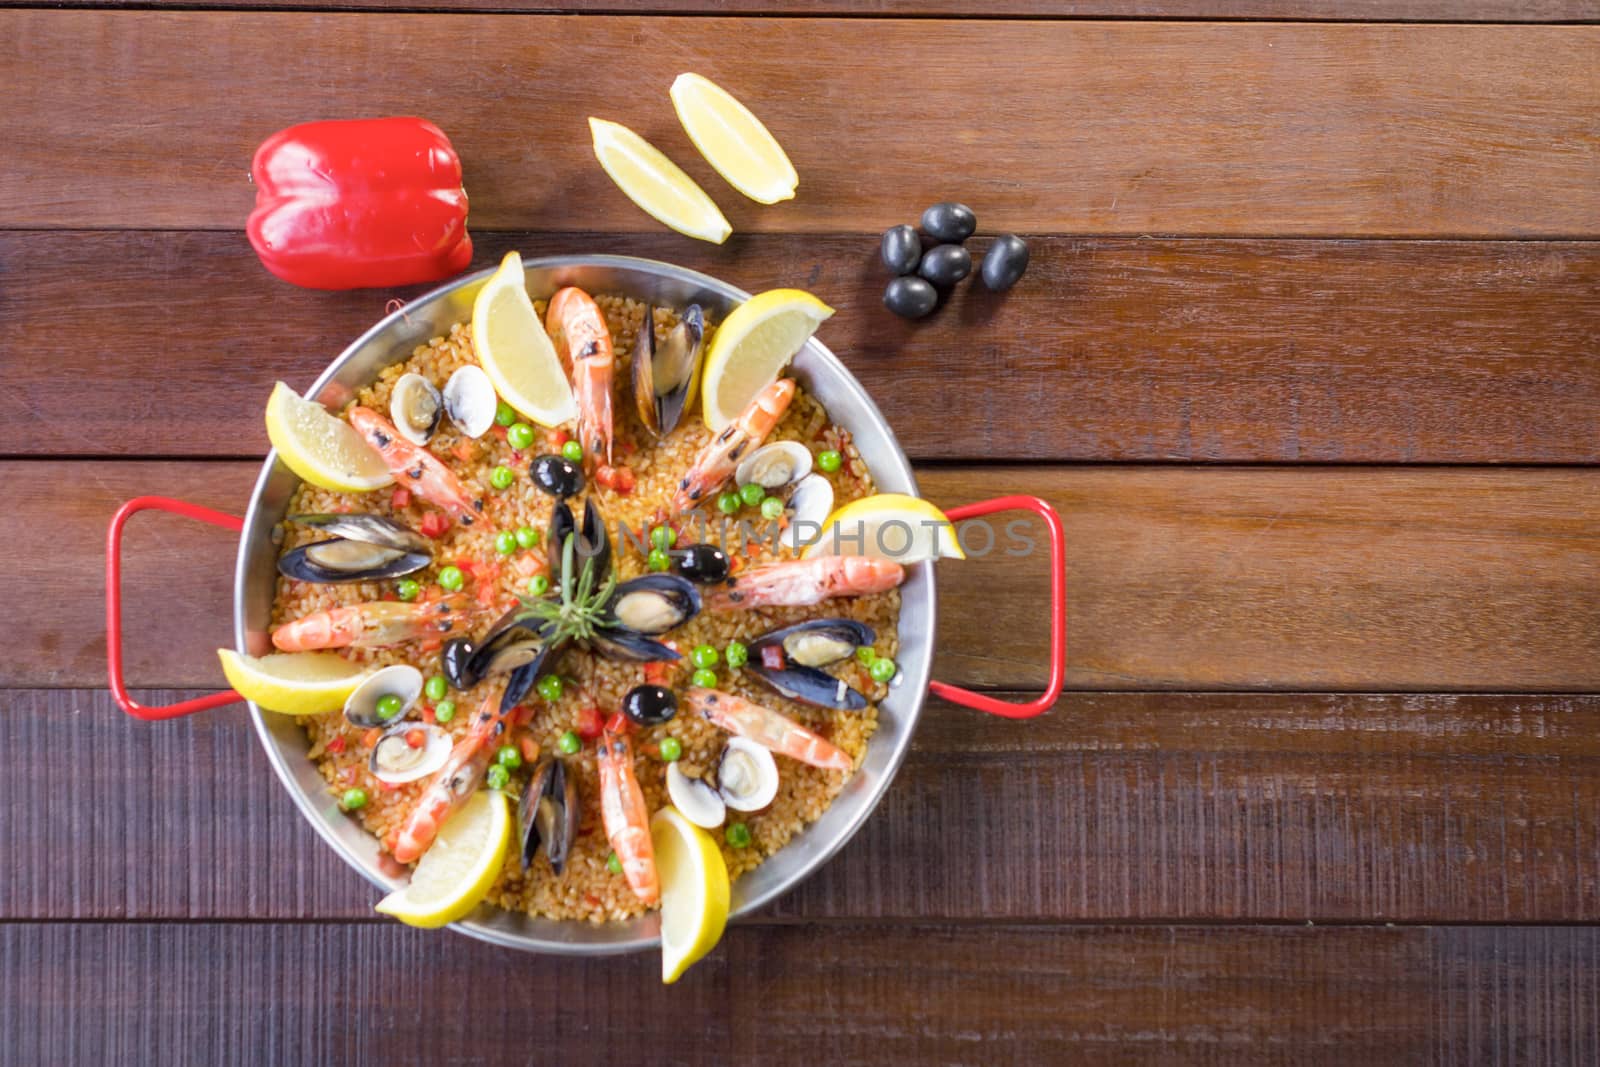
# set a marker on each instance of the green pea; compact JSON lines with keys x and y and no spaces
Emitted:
{"x":751,"y":494}
{"x":736,"y":654}
{"x":829,"y":461}
{"x":527,"y":537}
{"x":451,"y":578}
{"x":703,"y":656}
{"x":407,"y":588}
{"x":550,"y":687}
{"x":882,"y":669}
{"x":572,"y":451}
{"x":538,"y":585}
{"x":771,"y":508}
{"x":704,"y":678}
{"x":866,"y":654}
{"x":569,"y":743}
{"x":613,"y":864}
{"x":659,"y":560}
{"x":505,"y":542}
{"x":389,"y":706}
{"x":497,"y":777}
{"x":671,"y":749}
{"x":353,"y":799}
{"x":519,"y":436}
{"x":502,"y":477}
{"x":508,"y":757}
{"x":728,"y":503}
{"x":663,"y":537}
{"x":505,"y":414}
{"x":436,"y":687}
{"x":444,"y":711}
{"x":738,"y":835}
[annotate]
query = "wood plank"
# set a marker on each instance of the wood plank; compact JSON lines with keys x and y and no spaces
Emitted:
{"x":1181,"y":578}
{"x":287,"y":995}
{"x":1097,"y":128}
{"x":1417,"y":352}
{"x":1116,"y":807}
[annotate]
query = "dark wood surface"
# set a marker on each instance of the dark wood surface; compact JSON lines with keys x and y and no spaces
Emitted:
{"x":1308,"y":357}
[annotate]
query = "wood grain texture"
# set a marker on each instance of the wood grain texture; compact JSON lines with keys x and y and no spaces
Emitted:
{"x":1115,"y":807}
{"x":1111,"y":349}
{"x":1087,"y":128}
{"x":287,"y":995}
{"x":1180,"y":578}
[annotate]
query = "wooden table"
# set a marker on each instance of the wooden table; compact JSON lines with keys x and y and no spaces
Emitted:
{"x":1308,"y":358}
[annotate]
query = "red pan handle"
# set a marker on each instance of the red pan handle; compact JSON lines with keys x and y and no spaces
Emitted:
{"x":1058,"y":612}
{"x":119,"y":689}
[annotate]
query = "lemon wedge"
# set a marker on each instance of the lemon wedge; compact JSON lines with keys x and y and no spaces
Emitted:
{"x":322,"y":448}
{"x":455,"y":874}
{"x":753,"y":344}
{"x":733,"y":140}
{"x":293,"y":683}
{"x":694,"y":891}
{"x":656,"y":184}
{"x":515,"y":351}
{"x":906,"y":529}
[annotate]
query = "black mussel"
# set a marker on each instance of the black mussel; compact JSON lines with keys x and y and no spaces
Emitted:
{"x":665,"y":368}
{"x":817,"y":642}
{"x":624,"y":644}
{"x":363,"y":548}
{"x":590,"y":543}
{"x":949,"y":220}
{"x":910,"y":298}
{"x":1007,"y":259}
{"x":557,"y":475}
{"x":653,"y":604}
{"x":549,"y":813}
{"x":650,"y":705}
{"x":703,"y":563}
{"x":517,"y":644}
{"x":810,"y":686}
{"x":902,"y":249}
{"x":944,"y":265}
{"x":456,"y":661}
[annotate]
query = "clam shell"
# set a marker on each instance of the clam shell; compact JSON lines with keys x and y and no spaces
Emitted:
{"x":775,"y":466}
{"x":470,"y":401}
{"x":404,"y":681}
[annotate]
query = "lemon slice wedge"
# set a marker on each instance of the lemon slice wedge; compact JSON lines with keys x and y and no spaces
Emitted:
{"x":733,"y":140}
{"x":456,"y":873}
{"x":694,"y":891}
{"x":656,"y":184}
{"x":293,"y":683}
{"x":322,"y":448}
{"x":906,"y":529}
{"x":516,"y":353}
{"x":753,"y":344}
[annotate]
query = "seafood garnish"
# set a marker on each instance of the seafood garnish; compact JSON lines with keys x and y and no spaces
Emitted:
{"x":719,"y":459}
{"x":452,"y":783}
{"x":416,"y":408}
{"x":790,"y":659}
{"x":578,"y":330}
{"x":418,"y":469}
{"x":626,"y":818}
{"x":376,"y":624}
{"x":400,"y":680}
{"x":364,"y":548}
{"x":548,"y":814}
{"x":664,"y":375}
{"x":801,"y":582}
{"x":768,"y":728}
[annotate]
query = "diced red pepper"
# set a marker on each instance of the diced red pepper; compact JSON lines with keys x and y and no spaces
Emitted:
{"x":434,"y":524}
{"x":591,"y":723}
{"x":401,"y":498}
{"x":498,"y":430}
{"x":429,"y":716}
{"x":623,"y":481}
{"x":529,"y":747}
{"x":772,"y":657}
{"x":619,"y":724}
{"x":336,"y":745}
{"x":467,"y":567}
{"x":371,"y":737}
{"x":387,"y":787}
{"x":464,"y":451}
{"x":416,"y":738}
{"x":657,"y":672}
{"x":604,"y":475}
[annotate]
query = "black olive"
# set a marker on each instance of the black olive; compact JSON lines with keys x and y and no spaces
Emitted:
{"x":944,"y":265}
{"x":557,"y":475}
{"x":902,"y":248}
{"x":455,"y":659}
{"x":949,"y":221}
{"x":701,"y":563}
{"x":1007,"y":259}
{"x":650,"y":705}
{"x":910,"y":298}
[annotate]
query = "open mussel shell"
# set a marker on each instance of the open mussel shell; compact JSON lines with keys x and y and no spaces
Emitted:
{"x":666,"y":368}
{"x":372,"y":529}
{"x":653,"y":604}
{"x":548,"y":815}
{"x":470,"y":400}
{"x":516,"y":644}
{"x":808,"y":507}
{"x":364,"y":548}
{"x":416,"y":408}
{"x":776,"y":466}
{"x":591,"y":542}
{"x":401,"y":680}
{"x":747,"y":775}
{"x":811,"y":686}
{"x":695,"y":798}
{"x":800,"y":651}
{"x":396,"y":761}
{"x":623,"y":644}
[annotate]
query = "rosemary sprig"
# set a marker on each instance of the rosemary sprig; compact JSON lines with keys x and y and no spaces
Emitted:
{"x":581,"y":608}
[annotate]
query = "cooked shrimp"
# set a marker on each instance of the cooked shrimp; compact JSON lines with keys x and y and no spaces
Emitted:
{"x":767,"y":728}
{"x":626,"y":818}
{"x":376,"y":624}
{"x":798,"y":582}
{"x":418,"y":469}
{"x":577,"y":327}
{"x":717,"y":461}
{"x":452,"y":783}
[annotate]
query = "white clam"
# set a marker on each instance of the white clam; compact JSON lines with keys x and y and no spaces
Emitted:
{"x":774,"y":466}
{"x":695,"y":799}
{"x":809,"y":505}
{"x":747,"y":775}
{"x":405,"y":682}
{"x":470,"y":401}
{"x":396,"y":762}
{"x":415,"y":408}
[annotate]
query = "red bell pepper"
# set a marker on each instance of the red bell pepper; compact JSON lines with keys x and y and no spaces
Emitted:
{"x":360,"y":203}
